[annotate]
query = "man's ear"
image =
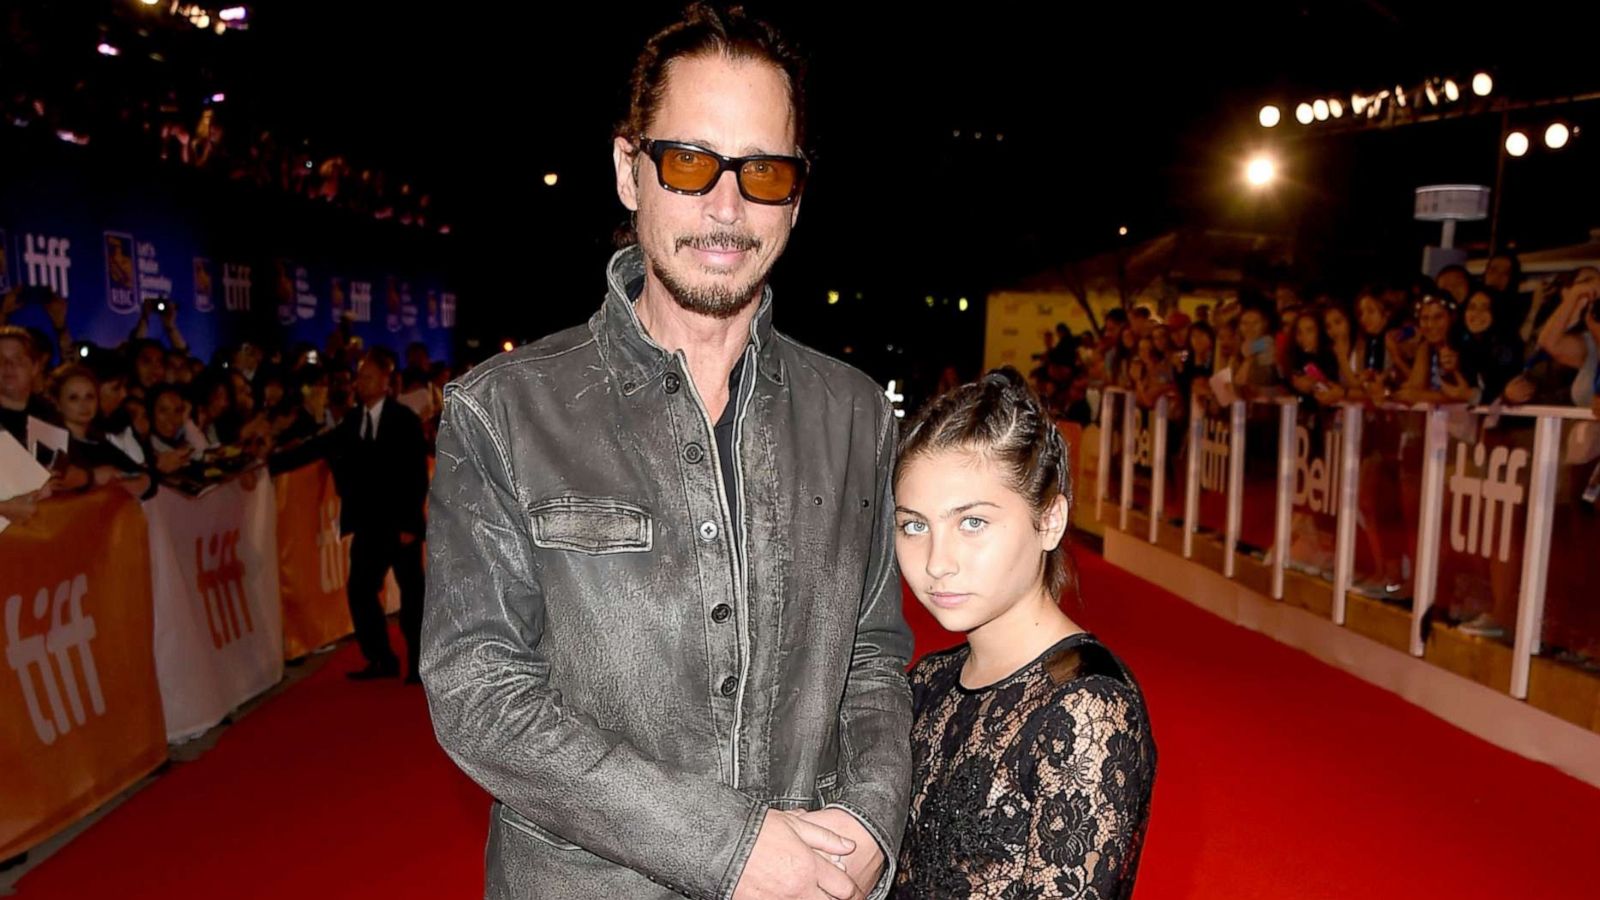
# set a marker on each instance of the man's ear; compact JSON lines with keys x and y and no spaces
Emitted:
{"x":625,"y":157}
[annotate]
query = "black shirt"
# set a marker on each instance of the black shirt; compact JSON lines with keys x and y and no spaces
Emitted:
{"x":15,"y":421}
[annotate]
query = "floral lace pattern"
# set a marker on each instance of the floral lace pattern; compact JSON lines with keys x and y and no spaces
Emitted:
{"x":1035,"y":787}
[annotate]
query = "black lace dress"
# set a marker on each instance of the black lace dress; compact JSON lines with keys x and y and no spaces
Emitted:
{"x":1035,"y":786}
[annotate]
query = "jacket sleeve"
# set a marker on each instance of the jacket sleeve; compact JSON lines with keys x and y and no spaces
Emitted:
{"x":875,"y":717}
{"x":496,"y":714}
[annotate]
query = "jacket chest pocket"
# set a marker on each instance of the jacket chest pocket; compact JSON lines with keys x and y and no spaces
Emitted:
{"x":592,"y":525}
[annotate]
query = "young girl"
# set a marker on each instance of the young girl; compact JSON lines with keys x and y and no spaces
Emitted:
{"x":1032,"y":749}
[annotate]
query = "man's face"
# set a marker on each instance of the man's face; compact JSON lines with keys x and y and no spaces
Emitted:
{"x":712,"y":253}
{"x":372,"y":382}
{"x":16,"y":371}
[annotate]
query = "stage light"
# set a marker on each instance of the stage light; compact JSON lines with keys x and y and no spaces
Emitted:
{"x":1482,"y":84}
{"x":1320,"y":110}
{"x":833,"y":298}
{"x":1270,"y":116}
{"x":233,"y":14}
{"x":1336,"y":108}
{"x":507,"y":346}
{"x":1123,"y":231}
{"x":108,"y":50}
{"x":1556,"y":136}
{"x":1517,"y":143}
{"x":551,"y":179}
{"x":1261,"y":171}
{"x":962,"y":304}
{"x":1432,"y":95}
{"x":1358,"y":104}
{"x":1452,"y":91}
{"x":1303,"y":114}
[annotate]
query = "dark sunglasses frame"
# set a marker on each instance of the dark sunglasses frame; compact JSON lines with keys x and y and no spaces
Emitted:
{"x":735,"y":164}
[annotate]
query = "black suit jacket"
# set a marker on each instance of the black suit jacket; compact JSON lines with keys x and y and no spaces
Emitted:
{"x":383,"y":484}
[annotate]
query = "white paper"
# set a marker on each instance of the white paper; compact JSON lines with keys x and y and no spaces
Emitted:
{"x":1222,"y":387}
{"x":43,"y":434}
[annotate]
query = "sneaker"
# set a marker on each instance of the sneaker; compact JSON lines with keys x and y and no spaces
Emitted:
{"x":1483,"y":625}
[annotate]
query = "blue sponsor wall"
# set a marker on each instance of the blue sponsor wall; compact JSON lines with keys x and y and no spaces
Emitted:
{"x":237,"y":261}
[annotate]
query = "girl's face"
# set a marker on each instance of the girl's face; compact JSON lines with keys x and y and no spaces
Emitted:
{"x":79,"y":400}
{"x":138,"y":417}
{"x":1161,"y":339}
{"x":1434,"y":323}
{"x":1374,"y":318}
{"x":1252,"y":325}
{"x":1305,"y":334}
{"x":1227,"y":342}
{"x":1449,"y":359}
{"x":112,"y":393}
{"x":969,"y":545}
{"x":1200,"y":346}
{"x":1338,"y":325}
{"x":169,"y":415}
{"x":1480,"y":313}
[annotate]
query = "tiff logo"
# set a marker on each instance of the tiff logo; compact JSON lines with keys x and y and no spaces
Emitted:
{"x":68,"y":628}
{"x":47,"y":259}
{"x":1214,"y":447}
{"x":221,"y":582}
{"x":332,"y":562}
{"x":1498,"y":487}
{"x":361,"y":301}
{"x":236,"y":287}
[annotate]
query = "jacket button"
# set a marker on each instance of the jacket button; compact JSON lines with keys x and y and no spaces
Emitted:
{"x":708,"y":531}
{"x":721,"y":613}
{"x":693,"y":453}
{"x":816,"y":501}
{"x":729,"y":685}
{"x":671,"y":382}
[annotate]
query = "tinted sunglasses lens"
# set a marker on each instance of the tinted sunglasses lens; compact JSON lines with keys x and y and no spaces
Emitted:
{"x":770,"y":180}
{"x":687,"y":170}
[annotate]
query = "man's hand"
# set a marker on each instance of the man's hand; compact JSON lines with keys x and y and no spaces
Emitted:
{"x":866,"y":862}
{"x":790,"y":862}
{"x":21,"y":508}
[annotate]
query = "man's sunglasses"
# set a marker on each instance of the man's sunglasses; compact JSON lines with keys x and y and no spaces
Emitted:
{"x":687,"y":169}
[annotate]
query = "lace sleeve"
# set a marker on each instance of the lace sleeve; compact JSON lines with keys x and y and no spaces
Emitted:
{"x":1096,"y":767}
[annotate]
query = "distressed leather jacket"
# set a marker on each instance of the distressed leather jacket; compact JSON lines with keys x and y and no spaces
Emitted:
{"x":634,"y":688}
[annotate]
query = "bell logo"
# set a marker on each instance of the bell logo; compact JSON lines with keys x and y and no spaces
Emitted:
{"x":221,"y":583}
{"x":68,"y":628}
{"x":1498,"y":488}
{"x":332,"y":567}
{"x":1316,"y":481}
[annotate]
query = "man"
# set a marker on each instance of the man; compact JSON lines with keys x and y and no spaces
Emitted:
{"x":665,"y":626}
{"x":380,"y":466}
{"x":20,"y":362}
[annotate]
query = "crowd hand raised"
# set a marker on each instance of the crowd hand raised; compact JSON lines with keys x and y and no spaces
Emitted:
{"x":790,"y":862}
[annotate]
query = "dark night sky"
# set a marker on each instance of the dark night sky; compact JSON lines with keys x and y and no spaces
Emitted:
{"x":1122,"y":114}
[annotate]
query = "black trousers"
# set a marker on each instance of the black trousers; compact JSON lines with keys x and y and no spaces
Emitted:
{"x":372,"y":555}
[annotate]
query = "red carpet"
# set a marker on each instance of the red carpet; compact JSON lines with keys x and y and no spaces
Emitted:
{"x":1279,"y":778}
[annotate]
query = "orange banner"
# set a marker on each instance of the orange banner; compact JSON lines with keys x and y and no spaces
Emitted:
{"x":313,"y":563}
{"x":80,"y":711}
